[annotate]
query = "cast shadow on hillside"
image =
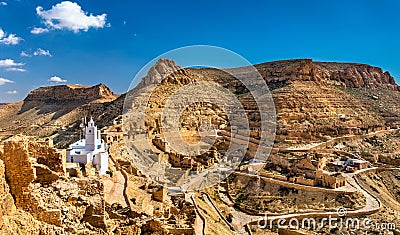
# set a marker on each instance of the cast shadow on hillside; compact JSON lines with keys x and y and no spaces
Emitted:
{"x":58,"y":108}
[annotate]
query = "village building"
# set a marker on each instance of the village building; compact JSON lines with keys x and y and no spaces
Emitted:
{"x":306,"y":171}
{"x":90,"y":149}
{"x":330,"y":179}
{"x":357,"y":163}
{"x":112,"y":136}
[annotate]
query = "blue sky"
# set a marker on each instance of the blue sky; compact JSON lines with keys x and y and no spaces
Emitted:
{"x":46,"y":42}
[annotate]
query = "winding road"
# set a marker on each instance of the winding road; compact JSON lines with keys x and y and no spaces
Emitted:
{"x":241,"y":219}
{"x":373,"y":205}
{"x":114,"y":187}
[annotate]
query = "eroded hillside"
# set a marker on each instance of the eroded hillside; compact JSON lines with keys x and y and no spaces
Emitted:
{"x":315,"y":102}
{"x":57,"y":110}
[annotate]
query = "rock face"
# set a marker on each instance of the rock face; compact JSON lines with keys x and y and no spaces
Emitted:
{"x":317,"y":100}
{"x":360,"y":75}
{"x":47,"y":110}
{"x":346,"y":74}
{"x":160,"y":70}
{"x":70,"y":93}
{"x":313,"y":100}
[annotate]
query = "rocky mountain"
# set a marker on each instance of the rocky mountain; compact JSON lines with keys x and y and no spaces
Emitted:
{"x":158,"y":72}
{"x":57,"y":110}
{"x":345,"y":74}
{"x":318,"y":100}
{"x":313,"y":100}
{"x":47,"y":111}
{"x":359,"y":75}
{"x":284,"y":72}
{"x":63,"y":93}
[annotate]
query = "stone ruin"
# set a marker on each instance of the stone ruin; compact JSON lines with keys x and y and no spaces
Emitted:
{"x":36,"y":176}
{"x":305,"y":170}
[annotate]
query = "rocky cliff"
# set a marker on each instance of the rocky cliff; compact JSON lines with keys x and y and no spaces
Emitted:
{"x":70,"y":93}
{"x":161,"y":69}
{"x":47,"y":110}
{"x":311,"y":98}
{"x":314,"y":101}
{"x":317,"y":100}
{"x":345,"y":74}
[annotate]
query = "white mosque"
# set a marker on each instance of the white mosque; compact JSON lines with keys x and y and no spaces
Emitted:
{"x":91,"y":149}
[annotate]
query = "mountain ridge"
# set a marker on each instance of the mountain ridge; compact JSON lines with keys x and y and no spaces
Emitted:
{"x":347,"y":74}
{"x":70,"y":92}
{"x":297,"y":85}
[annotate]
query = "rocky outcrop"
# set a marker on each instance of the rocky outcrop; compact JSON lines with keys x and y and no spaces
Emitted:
{"x":345,"y":74}
{"x":278,"y":74}
{"x":359,"y":75}
{"x":166,"y":71}
{"x":59,"y":110}
{"x":319,"y":100}
{"x":70,"y":93}
{"x":161,"y":69}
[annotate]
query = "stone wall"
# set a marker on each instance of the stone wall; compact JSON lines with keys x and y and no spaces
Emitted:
{"x":19,"y":172}
{"x":296,"y":186}
{"x":161,"y":144}
{"x":44,"y":174}
{"x":51,"y":157}
{"x":333,"y":181}
{"x":161,"y":194}
{"x":302,"y":180}
{"x":7,"y":206}
{"x":22,"y":169}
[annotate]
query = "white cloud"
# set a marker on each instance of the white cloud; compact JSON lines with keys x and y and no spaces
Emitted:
{"x":11,"y":39}
{"x":57,"y":79}
{"x":12,"y":66}
{"x":13,"y":69}
{"x":25,"y":54}
{"x":4,"y":81}
{"x":3,"y":3}
{"x":13,"y":92}
{"x":42,"y":52}
{"x":69,"y":15}
{"x":39,"y":30}
{"x":10,"y":63}
{"x":38,"y":52}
